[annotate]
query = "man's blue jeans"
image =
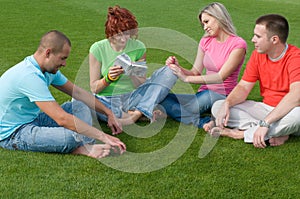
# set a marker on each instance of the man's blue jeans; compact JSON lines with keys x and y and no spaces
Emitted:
{"x":45,"y":135}
{"x":145,"y":98}
{"x":189,"y":108}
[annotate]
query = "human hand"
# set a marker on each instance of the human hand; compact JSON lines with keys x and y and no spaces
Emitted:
{"x":178,"y":72}
{"x":115,"y":72}
{"x":114,"y":142}
{"x":114,"y":125}
{"x":259,"y":137}
{"x":223,"y":115}
{"x":172,"y":60}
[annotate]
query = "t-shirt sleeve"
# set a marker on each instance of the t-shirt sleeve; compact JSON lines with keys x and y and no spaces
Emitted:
{"x":251,"y":71}
{"x":203,"y":43}
{"x":59,"y":79}
{"x":240,"y":43}
{"x":35,"y":88}
{"x":294,"y":69}
{"x":95,"y":50}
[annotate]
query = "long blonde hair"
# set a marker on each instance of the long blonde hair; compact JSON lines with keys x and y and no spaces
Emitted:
{"x":218,"y":11}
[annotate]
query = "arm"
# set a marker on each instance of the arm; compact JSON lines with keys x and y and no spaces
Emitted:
{"x":288,"y":102}
{"x":69,"y":121}
{"x":91,"y":101}
{"x":96,"y":84}
{"x":238,"y":95}
{"x":197,"y":69}
{"x":231,"y":64}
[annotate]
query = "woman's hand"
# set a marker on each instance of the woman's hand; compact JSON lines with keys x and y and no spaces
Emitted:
{"x":115,"y":72}
{"x":178,"y":72}
{"x":173,"y":64}
{"x":172,"y":60}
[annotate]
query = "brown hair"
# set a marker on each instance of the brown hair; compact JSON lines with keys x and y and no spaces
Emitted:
{"x":120,"y":20}
{"x":275,"y":25}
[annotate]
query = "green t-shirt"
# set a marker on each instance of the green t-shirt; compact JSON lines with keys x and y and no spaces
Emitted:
{"x":105,"y":55}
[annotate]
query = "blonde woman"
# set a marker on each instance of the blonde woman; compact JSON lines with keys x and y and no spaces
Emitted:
{"x":221,"y":54}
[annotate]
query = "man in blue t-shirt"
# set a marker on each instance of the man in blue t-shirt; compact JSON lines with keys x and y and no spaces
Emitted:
{"x":31,"y":119}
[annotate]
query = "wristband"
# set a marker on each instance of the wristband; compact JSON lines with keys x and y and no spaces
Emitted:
{"x":109,"y":79}
{"x":105,"y":82}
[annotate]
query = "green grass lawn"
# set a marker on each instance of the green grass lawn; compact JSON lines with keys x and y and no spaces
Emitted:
{"x":165,"y":159}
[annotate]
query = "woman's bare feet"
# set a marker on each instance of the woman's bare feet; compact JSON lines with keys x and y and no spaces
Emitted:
{"x":93,"y":150}
{"x":130,"y":118}
{"x":277,"y":141}
{"x":158,"y":114}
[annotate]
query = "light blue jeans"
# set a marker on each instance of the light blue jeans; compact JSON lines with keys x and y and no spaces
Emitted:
{"x":189,"y":108}
{"x":145,"y":98}
{"x":45,"y":135}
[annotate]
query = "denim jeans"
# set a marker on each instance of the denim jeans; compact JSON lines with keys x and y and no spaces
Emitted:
{"x":145,"y":98}
{"x":189,"y":108}
{"x":45,"y":135}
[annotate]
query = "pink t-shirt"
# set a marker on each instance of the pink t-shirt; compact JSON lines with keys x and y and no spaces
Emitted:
{"x":215,"y":55}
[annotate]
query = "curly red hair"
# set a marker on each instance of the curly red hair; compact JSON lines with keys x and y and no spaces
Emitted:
{"x":120,"y":20}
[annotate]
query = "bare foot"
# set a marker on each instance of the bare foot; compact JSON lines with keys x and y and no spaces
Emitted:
{"x":158,"y":114}
{"x":277,"y":141}
{"x":226,"y":132}
{"x":215,"y":131}
{"x":93,"y":150}
{"x":143,"y":118}
{"x":208,"y":126}
{"x":130,"y":118}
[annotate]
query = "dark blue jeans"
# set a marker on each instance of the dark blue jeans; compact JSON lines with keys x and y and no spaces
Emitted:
{"x":189,"y":108}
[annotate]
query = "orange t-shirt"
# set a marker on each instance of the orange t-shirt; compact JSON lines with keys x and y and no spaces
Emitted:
{"x":274,"y":77}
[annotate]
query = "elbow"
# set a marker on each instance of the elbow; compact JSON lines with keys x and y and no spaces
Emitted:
{"x":96,"y":86}
{"x":298,"y":101}
{"x":93,"y":88}
{"x":222,"y":78}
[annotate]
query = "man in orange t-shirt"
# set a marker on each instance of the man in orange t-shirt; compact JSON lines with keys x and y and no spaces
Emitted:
{"x":276,"y":65}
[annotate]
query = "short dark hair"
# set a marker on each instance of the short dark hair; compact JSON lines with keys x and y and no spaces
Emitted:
{"x":55,"y":40}
{"x":275,"y":25}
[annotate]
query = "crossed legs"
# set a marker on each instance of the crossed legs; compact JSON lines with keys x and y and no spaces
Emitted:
{"x":238,"y":134}
{"x":246,"y":116}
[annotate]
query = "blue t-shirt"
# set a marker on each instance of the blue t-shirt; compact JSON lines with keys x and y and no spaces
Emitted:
{"x":20,"y":87}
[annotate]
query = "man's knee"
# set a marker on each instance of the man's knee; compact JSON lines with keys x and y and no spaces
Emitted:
{"x":80,"y":106}
{"x":293,"y":117}
{"x":216,"y":107}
